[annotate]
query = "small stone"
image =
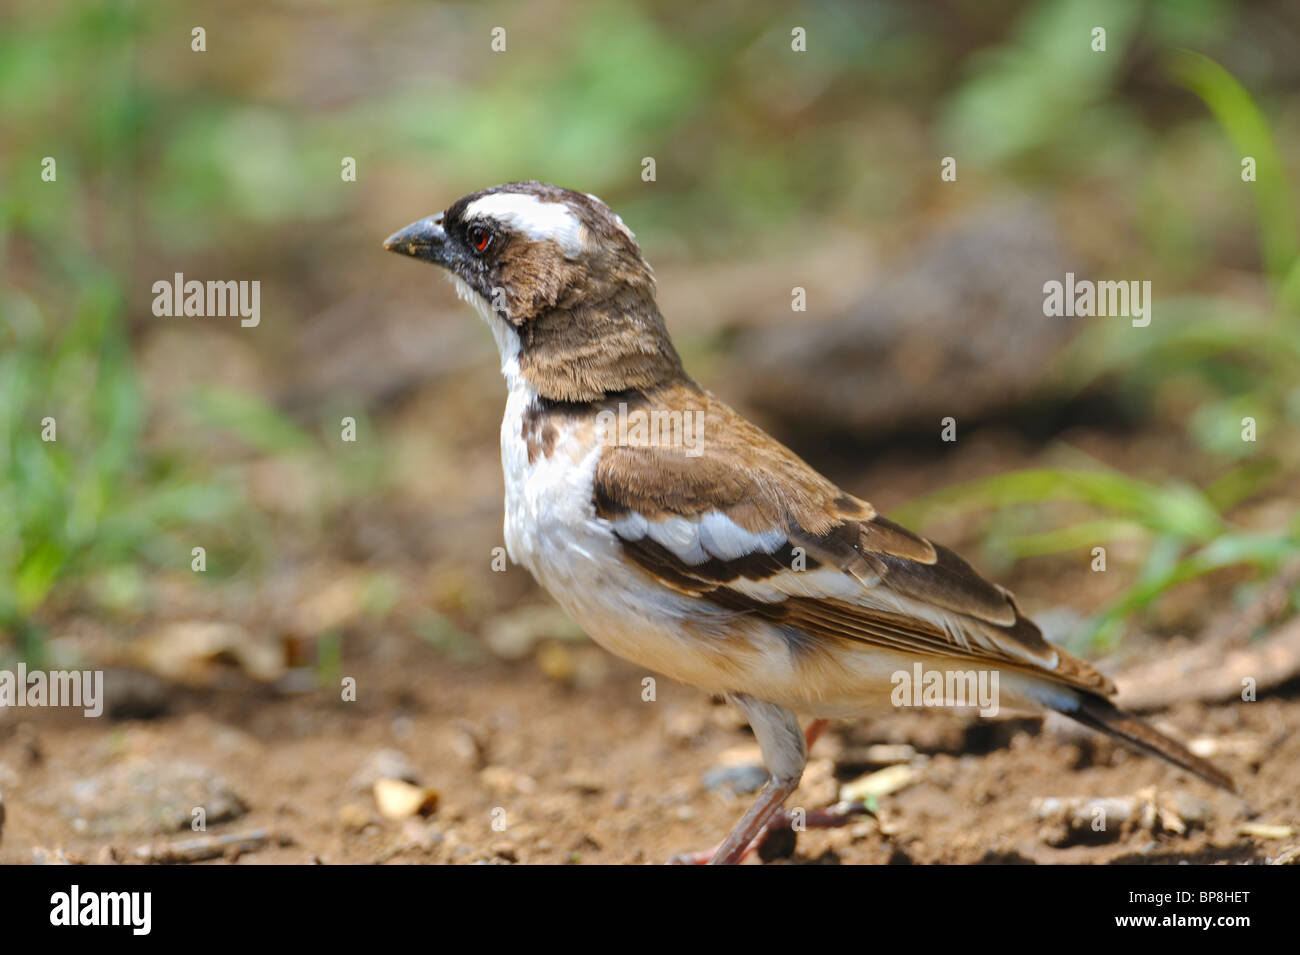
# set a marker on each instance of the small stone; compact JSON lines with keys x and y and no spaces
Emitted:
{"x":421,"y":835}
{"x":877,"y":784}
{"x":1193,"y":809}
{"x":513,"y":635}
{"x":1258,"y":830}
{"x":588,"y":784}
{"x":134,"y":694}
{"x":107,"y":855}
{"x":398,"y":799}
{"x":557,"y":662}
{"x":506,"y":781}
{"x":741,"y":780}
{"x":863,"y":830}
{"x":191,"y":651}
{"x":1288,"y":856}
{"x":383,"y":764}
{"x":43,"y":856}
{"x":148,"y":797}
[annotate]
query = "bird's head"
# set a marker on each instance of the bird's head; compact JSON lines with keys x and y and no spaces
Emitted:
{"x":562,"y":281}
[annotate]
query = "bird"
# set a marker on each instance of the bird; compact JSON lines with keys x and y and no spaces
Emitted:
{"x":683,"y":538}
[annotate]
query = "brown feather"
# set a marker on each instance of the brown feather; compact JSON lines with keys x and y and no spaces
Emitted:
{"x":1102,"y":715}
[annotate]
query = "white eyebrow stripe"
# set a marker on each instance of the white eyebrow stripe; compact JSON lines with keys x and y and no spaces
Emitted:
{"x":537,"y":219}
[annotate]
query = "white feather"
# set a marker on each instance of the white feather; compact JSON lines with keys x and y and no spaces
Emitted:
{"x":724,"y":538}
{"x":537,"y":219}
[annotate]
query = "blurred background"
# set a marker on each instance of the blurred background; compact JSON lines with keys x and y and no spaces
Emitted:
{"x":774,"y":169}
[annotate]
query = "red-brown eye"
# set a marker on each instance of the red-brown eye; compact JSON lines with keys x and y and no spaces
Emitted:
{"x":480,"y":238}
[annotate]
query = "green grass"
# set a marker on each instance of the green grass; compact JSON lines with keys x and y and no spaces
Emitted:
{"x":97,"y":497}
{"x":1240,"y":361}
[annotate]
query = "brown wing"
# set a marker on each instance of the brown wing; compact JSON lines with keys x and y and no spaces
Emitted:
{"x":749,"y":526}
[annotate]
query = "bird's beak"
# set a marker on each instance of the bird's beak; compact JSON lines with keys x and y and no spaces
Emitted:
{"x":425,"y":239}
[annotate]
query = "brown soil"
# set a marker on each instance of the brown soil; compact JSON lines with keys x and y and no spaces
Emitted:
{"x":599,"y":776}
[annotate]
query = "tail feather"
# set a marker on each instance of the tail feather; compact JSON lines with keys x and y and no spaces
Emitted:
{"x":1102,"y":715}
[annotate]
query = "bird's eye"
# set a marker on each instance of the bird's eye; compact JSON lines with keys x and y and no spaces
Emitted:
{"x":479,"y":238}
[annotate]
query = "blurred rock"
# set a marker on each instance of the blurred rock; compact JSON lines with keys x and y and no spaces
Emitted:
{"x":959,"y":330}
{"x":229,"y":846}
{"x":134,"y":694}
{"x":513,"y":635}
{"x":1081,"y":819}
{"x":398,"y":799}
{"x":505,"y":782}
{"x":880,"y":783}
{"x":332,"y":604}
{"x":1259,"y":830}
{"x":383,"y":764}
{"x":190,"y":651}
{"x":43,"y":856}
{"x":148,"y":797}
{"x":741,"y":780}
{"x":585,"y":782}
{"x":557,"y":662}
{"x":506,"y":849}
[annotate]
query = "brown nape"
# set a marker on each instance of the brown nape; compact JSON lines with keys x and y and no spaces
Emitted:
{"x":586,"y":351}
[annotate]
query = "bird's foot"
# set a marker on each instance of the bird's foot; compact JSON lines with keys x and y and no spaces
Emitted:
{"x":780,"y":835}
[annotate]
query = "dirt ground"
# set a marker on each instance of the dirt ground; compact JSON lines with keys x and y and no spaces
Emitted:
{"x":598,"y":775}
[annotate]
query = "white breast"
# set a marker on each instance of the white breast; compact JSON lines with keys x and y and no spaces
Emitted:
{"x":549,"y":505}
{"x":551,"y":528}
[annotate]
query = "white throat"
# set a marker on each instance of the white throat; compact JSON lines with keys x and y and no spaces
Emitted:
{"x":507,"y":337}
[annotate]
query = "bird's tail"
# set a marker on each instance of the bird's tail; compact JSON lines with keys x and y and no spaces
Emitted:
{"x":1100,"y":714}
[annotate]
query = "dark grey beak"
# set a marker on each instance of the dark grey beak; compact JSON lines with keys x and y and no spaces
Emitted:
{"x":425,"y":239}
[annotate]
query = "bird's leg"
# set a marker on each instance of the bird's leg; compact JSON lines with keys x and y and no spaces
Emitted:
{"x":769,"y":806}
{"x":832,"y":817}
{"x":736,"y":846}
{"x":813,"y":733}
{"x":779,"y":817}
{"x":785,"y":753}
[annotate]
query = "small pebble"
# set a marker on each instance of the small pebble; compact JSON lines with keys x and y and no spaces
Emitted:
{"x":741,"y":780}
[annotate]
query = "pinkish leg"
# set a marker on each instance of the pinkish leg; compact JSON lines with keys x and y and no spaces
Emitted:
{"x":753,"y":827}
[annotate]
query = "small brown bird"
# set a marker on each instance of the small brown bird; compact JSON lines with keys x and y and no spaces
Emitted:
{"x":683,"y":538}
